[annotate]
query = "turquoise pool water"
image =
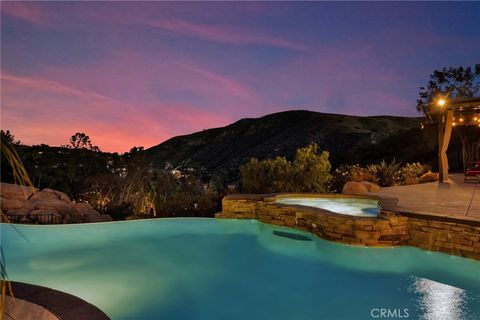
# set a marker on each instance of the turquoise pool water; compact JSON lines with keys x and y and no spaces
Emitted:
{"x":352,"y":207}
{"x":238,"y":269}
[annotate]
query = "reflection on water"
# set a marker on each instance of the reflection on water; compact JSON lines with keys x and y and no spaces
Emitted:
{"x":153,"y":269}
{"x":438,"y":301}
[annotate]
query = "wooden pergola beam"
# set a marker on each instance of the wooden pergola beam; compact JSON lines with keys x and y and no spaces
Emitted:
{"x":445,"y":124}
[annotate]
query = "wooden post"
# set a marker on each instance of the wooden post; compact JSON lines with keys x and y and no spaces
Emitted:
{"x":440,"y":144}
{"x":444,"y":135}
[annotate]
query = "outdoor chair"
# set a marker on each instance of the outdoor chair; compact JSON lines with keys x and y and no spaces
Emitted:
{"x":472,"y":174}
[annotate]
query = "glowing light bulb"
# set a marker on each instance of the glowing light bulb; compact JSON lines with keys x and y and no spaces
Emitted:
{"x":461,"y":119}
{"x":454,"y":124}
{"x":441,"y":102}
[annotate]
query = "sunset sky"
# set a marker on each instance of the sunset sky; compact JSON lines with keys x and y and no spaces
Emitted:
{"x":131,"y":74}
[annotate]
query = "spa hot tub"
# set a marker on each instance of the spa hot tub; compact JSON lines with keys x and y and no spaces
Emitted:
{"x":348,"y":206}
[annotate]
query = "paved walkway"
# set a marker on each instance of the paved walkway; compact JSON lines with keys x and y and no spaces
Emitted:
{"x":452,"y":198}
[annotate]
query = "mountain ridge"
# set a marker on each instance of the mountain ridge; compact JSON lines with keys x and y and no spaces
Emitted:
{"x":222,"y":150}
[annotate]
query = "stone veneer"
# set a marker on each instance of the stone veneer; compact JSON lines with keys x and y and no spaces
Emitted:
{"x":390,"y":228}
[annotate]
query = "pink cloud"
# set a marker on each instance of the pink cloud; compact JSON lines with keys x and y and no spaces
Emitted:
{"x":39,"y":15}
{"x":145,"y":80}
{"x":45,"y":111}
{"x":30,"y":12}
{"x":222,"y":34}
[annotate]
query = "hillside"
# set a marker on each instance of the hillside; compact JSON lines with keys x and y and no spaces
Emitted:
{"x":349,"y":139}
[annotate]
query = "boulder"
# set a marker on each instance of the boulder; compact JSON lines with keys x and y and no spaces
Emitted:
{"x":55,"y":204}
{"x":371,"y":187}
{"x":41,"y":205}
{"x":20,"y":212}
{"x":99,"y":218}
{"x":353,"y":187}
{"x":428,"y":177}
{"x":49,"y":193}
{"x":40,"y":212}
{"x":105,"y":218}
{"x":13,"y":191}
{"x":13,"y":204}
{"x":84,"y":209}
{"x":410,"y":181}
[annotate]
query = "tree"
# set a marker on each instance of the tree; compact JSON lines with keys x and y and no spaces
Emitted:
{"x":309,"y":172}
{"x":81,"y":141}
{"x":8,"y":138}
{"x":312,"y":170}
{"x":452,"y":83}
{"x":267,"y":176}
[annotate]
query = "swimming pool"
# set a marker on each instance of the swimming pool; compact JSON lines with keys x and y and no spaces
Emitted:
{"x":348,"y":206}
{"x":237,"y":269}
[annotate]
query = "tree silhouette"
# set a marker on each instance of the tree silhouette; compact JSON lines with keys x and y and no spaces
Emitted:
{"x":452,"y":83}
{"x":81,"y":141}
{"x":9,"y":138}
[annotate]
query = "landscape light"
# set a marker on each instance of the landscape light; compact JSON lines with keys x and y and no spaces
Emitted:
{"x":441,"y":102}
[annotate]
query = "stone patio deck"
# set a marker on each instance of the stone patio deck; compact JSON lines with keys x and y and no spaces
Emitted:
{"x":453,"y":198}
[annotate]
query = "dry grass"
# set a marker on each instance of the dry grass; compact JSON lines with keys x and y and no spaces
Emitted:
{"x":21,"y":178}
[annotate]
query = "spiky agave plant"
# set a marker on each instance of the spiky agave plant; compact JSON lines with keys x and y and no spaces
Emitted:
{"x":386,"y":173}
{"x":20,"y":177}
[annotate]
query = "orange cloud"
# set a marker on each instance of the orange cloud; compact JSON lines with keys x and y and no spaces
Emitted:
{"x":45,"y":111}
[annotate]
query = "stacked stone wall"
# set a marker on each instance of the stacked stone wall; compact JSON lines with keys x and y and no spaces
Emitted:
{"x":388,"y":229}
{"x":450,"y":237}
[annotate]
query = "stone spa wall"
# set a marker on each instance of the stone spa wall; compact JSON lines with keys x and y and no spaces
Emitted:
{"x":390,"y":228}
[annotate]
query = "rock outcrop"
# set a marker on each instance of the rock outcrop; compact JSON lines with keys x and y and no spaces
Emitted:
{"x":353,"y":187}
{"x":410,"y":181}
{"x":28,"y":204}
{"x":428,"y":177}
{"x":371,"y":187}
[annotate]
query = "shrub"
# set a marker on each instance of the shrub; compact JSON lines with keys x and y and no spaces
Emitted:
{"x":387,"y":174}
{"x":309,"y":172}
{"x":412,"y":170}
{"x":267,"y":176}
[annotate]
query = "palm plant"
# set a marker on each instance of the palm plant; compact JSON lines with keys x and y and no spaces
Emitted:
{"x":386,"y":173}
{"x":20,"y":177}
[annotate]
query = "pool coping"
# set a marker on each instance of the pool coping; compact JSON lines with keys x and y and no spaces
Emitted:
{"x":63,"y":305}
